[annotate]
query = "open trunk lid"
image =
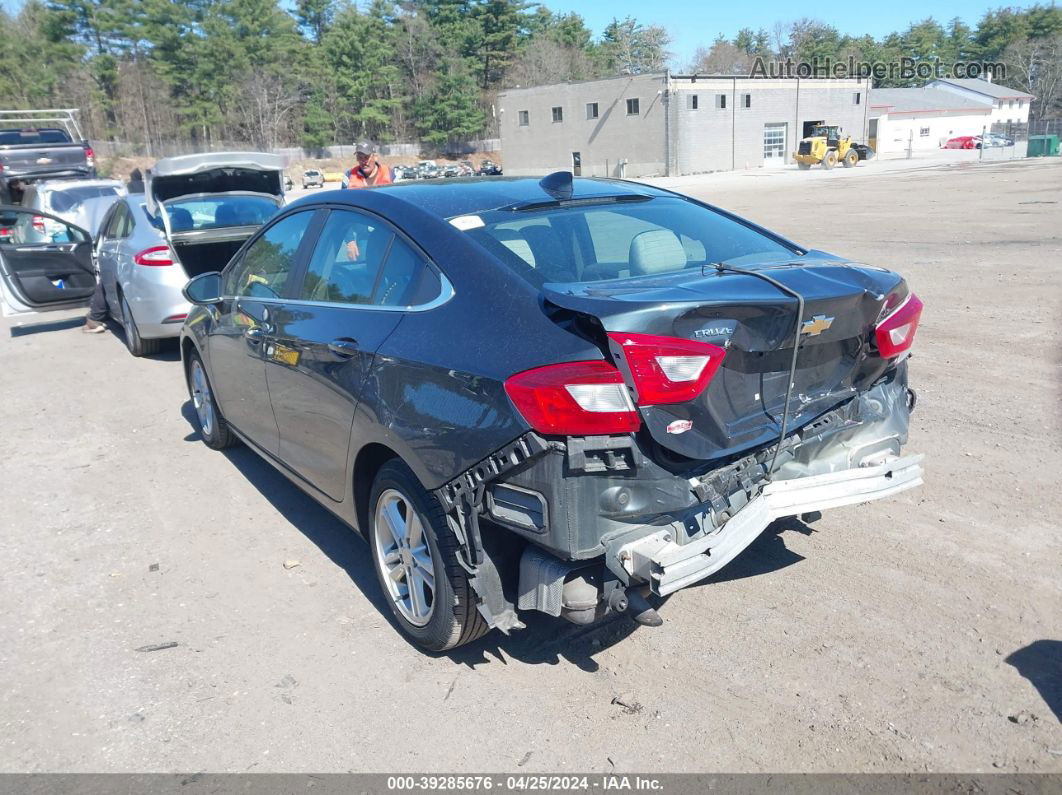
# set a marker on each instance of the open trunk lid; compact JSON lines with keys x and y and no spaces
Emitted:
{"x":755,"y":323}
{"x":214,"y":172}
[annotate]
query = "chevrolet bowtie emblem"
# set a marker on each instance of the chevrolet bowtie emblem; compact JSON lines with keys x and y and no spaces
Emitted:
{"x":817,"y":325}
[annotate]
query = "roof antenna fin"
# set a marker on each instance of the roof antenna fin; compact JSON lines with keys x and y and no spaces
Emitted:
{"x":558,"y":185}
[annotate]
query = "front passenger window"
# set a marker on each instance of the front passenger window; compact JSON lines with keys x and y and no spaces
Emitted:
{"x":265,"y":267}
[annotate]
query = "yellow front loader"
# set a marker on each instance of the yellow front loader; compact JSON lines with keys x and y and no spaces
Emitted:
{"x":826,"y":145}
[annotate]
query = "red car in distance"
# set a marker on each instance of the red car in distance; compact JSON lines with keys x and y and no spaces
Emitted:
{"x":963,"y":142}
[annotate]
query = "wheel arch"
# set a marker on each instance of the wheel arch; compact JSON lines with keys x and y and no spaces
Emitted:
{"x":367,"y":463}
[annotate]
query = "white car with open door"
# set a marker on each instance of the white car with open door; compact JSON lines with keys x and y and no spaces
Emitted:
{"x":195,"y":213}
{"x":45,"y":262}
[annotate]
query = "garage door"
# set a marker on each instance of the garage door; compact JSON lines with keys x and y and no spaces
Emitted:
{"x":773,"y":145}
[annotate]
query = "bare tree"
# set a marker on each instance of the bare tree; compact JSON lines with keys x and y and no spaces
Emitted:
{"x":546,"y":61}
{"x":1035,"y":65}
{"x":265,"y":105}
{"x":723,"y":58}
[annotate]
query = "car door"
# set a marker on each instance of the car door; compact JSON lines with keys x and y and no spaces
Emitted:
{"x":45,"y":263}
{"x":106,"y":250}
{"x":252,"y":287}
{"x":355,"y":287}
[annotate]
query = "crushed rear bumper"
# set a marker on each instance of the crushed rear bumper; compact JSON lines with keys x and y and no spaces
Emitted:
{"x":655,"y":559}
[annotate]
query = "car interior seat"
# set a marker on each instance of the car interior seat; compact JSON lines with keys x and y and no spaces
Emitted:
{"x":180,"y":219}
{"x":656,"y":251}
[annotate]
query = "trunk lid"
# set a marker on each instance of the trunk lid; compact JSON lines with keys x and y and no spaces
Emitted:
{"x":754,"y":322}
{"x":214,"y":172}
{"x":44,"y":157}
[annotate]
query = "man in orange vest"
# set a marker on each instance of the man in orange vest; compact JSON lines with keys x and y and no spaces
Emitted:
{"x":370,"y":171}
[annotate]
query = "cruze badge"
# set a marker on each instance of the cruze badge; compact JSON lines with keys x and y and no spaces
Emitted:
{"x":817,"y":325}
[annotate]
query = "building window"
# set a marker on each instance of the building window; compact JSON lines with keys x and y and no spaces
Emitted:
{"x":720,"y":101}
{"x":1020,"y":103}
{"x":747,"y":100}
{"x":999,"y":104}
{"x":857,"y":97}
{"x":632,"y":107}
{"x":591,"y":110}
{"x":523,"y":118}
{"x":1011,"y":105}
{"x":558,"y":114}
{"x":923,"y":132}
{"x":691,"y":102}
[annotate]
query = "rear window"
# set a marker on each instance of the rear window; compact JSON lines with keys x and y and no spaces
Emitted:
{"x":216,"y":213}
{"x":44,"y":136}
{"x":69,"y":198}
{"x":619,"y":240}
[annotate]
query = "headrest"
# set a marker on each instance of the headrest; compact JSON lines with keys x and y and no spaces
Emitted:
{"x":656,"y":251}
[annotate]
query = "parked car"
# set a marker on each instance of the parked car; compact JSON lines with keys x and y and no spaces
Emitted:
{"x":404,"y":173}
{"x":81,"y":202}
{"x":962,"y":142}
{"x":451,"y":170}
{"x":992,"y":140}
{"x":196,"y":212}
{"x":30,"y":152}
{"x":288,"y":183}
{"x":550,"y":395}
{"x":488,"y":168}
{"x":312,"y":178}
{"x":428,"y":170}
{"x":467,"y":168}
{"x":45,"y":262}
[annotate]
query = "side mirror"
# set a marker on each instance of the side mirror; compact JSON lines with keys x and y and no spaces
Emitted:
{"x":204,"y":289}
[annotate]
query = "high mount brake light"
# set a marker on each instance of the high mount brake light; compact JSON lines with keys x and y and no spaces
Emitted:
{"x":156,"y":255}
{"x":574,"y":399}
{"x":895,"y":333}
{"x":668,"y":369}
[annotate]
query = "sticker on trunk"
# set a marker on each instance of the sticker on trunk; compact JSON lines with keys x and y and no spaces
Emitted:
{"x":679,"y":426}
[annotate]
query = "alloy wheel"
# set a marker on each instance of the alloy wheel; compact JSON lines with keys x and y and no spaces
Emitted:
{"x":202,"y":399}
{"x":402,"y":550}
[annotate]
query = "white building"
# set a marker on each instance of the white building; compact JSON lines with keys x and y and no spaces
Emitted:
{"x":923,"y":118}
{"x":1009,"y":106}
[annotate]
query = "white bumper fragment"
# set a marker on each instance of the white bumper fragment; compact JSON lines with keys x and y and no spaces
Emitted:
{"x":667,"y":566}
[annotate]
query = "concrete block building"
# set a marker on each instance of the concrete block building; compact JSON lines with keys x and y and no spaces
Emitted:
{"x":668,"y":125}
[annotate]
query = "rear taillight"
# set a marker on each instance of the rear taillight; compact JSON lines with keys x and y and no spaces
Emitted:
{"x":90,"y":157}
{"x":574,"y":399}
{"x":895,"y":332}
{"x":38,"y":224}
{"x":156,"y":255}
{"x":668,"y":369}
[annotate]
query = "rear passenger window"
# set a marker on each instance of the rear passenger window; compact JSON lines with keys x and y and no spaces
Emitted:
{"x":263,"y":270}
{"x":359,"y":260}
{"x":346,"y":260}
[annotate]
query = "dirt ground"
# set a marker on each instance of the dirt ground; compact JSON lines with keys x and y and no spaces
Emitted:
{"x":922,"y":633}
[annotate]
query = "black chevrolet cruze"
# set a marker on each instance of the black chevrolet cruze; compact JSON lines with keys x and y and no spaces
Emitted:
{"x":561,"y":395}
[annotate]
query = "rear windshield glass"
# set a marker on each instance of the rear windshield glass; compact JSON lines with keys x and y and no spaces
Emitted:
{"x":214,"y":213}
{"x":620,"y":240}
{"x":69,"y":198}
{"x":16,"y":137}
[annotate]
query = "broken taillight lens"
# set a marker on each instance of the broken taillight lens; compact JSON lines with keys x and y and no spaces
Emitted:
{"x":895,"y":333}
{"x":668,"y":369}
{"x":574,"y":399}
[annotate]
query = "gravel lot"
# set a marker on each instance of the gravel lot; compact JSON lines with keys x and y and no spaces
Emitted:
{"x":919,"y":633}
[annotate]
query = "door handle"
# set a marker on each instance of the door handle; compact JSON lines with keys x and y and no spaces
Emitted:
{"x":344,"y":347}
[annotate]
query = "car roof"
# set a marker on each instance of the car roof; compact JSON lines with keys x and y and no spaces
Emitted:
{"x":59,"y":184}
{"x":469,"y":195}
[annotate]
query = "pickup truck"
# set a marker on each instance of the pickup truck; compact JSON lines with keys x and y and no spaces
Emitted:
{"x":30,"y":151}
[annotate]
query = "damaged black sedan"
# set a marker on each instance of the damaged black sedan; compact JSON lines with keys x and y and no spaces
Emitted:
{"x":556,"y":395}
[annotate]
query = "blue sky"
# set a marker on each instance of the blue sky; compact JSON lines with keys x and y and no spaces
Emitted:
{"x":692,"y":24}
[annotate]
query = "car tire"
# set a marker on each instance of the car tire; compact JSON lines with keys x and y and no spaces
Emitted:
{"x":212,"y":425}
{"x":410,"y":541}
{"x":830,"y":160}
{"x":851,"y":158}
{"x":137,"y":345}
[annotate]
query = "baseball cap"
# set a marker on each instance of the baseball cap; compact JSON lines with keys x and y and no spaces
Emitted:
{"x":365,"y":147}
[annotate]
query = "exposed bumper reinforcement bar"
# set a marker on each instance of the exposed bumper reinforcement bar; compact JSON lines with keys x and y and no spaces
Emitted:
{"x":668,"y":567}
